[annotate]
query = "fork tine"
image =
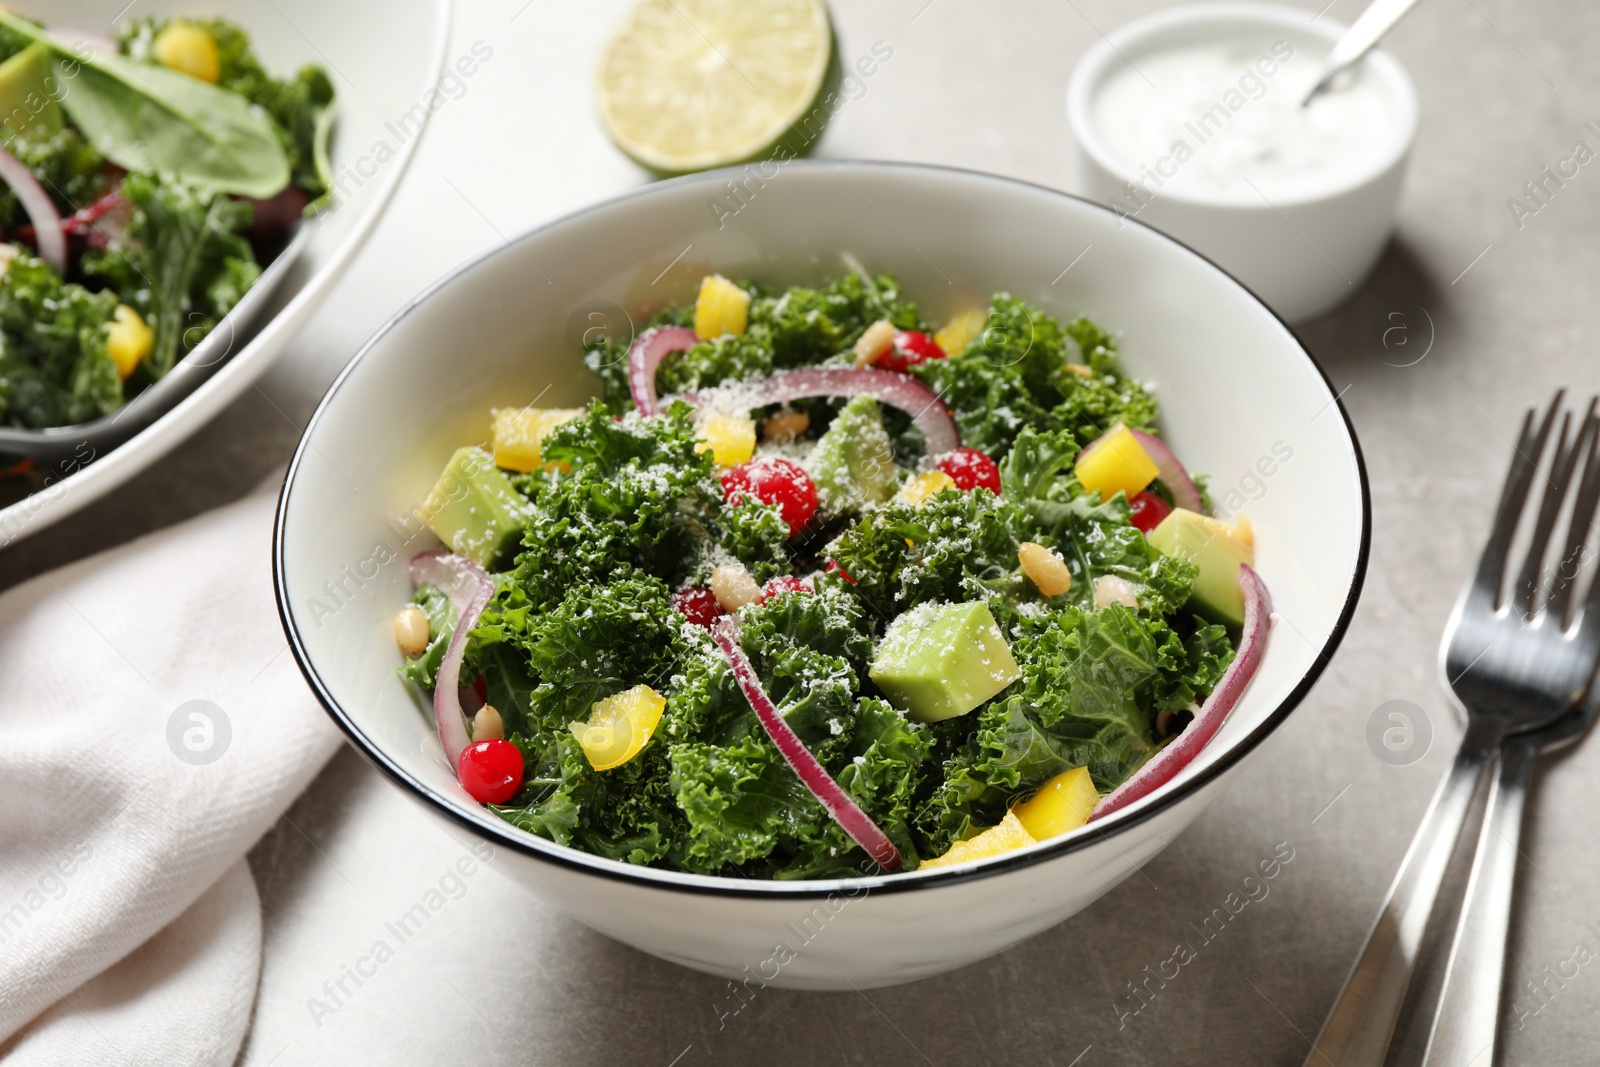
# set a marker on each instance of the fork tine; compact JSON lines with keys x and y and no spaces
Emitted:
{"x":1583,"y":511}
{"x":1525,"y":593}
{"x":1524,"y":463}
{"x":1590,"y":616}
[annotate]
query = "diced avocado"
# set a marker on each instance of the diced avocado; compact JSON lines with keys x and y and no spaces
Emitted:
{"x":474,"y":508}
{"x":853,"y":463}
{"x":29,"y":93}
{"x":1217,"y":548}
{"x":942,"y":660}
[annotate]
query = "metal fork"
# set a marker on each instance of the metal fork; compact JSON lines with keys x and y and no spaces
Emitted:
{"x":1466,"y":1022}
{"x":1512,"y":669}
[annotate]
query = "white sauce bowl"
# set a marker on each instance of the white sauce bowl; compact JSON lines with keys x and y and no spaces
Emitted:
{"x":1295,"y":204}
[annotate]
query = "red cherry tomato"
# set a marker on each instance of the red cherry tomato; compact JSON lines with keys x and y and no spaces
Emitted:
{"x":774,"y":480}
{"x":832,"y":567}
{"x":783,"y":583}
{"x":969,"y":468}
{"x":697,"y":605}
{"x":910,"y":347}
{"x":490,"y":771}
{"x":1148,"y":510}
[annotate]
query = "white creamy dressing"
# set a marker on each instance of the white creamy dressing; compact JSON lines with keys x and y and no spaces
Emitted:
{"x":1221,"y":120}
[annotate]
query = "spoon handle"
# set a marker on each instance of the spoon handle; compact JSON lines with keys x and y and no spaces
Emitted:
{"x":1358,"y":40}
{"x":1466,"y":1022}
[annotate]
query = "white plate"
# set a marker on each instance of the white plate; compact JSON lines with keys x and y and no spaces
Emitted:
{"x":383,"y":69}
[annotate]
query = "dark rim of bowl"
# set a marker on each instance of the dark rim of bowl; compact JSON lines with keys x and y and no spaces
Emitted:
{"x":577,"y":860}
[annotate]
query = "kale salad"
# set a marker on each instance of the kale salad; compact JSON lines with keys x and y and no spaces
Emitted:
{"x":816,"y":588}
{"x":145,"y":181}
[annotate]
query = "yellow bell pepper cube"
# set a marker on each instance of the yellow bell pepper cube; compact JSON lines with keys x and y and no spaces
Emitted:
{"x":1063,"y":804}
{"x":1010,"y":834}
{"x":188,"y":49}
{"x":721,"y":308}
{"x":128,"y":340}
{"x":959,"y":332}
{"x":619,"y":726}
{"x":1117,"y":464}
{"x":518,"y":435}
{"x":917,"y":491}
{"x":731,"y":439}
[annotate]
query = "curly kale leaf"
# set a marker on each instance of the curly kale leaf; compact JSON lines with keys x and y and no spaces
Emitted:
{"x":811,"y":650}
{"x":54,"y":370}
{"x":1027,"y":370}
{"x":546,"y":669}
{"x":745,"y":806}
{"x":1039,"y":466}
{"x":182,"y":264}
{"x":626,"y":813}
{"x":596,"y":641}
{"x":806,"y":325}
{"x":1100,"y":538}
{"x":639,"y":495}
{"x":1191,"y":665}
{"x":1092,"y":682}
{"x":960,"y":800}
{"x":67,"y":166}
{"x":954,"y":546}
{"x":800,"y":327}
{"x":886,"y":769}
{"x":1083,"y":676}
{"x":741,"y":800}
{"x":754,"y":534}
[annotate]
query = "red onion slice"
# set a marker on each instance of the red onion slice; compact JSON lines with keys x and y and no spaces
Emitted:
{"x":902,"y":391}
{"x":1172,"y":474}
{"x":85,"y":217}
{"x":468,"y":586}
{"x":40,"y":208}
{"x":644,"y":359}
{"x":1165,"y":765}
{"x":857,"y":823}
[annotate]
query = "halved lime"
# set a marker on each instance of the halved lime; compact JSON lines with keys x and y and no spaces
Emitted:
{"x":690,"y":84}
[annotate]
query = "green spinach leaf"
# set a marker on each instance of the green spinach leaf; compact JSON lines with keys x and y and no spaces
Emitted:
{"x":145,"y":117}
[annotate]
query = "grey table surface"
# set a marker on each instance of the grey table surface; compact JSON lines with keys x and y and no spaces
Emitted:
{"x":1469,"y":318}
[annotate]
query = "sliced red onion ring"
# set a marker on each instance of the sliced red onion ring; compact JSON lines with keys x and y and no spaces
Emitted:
{"x":1171,"y":472}
{"x":85,"y":217}
{"x":644,"y":359}
{"x":857,"y":823}
{"x":1165,"y":765}
{"x":928,"y":413}
{"x":40,"y":208}
{"x":468,"y":586}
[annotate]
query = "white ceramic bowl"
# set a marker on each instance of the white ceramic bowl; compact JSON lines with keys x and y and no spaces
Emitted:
{"x":1302,"y":254}
{"x":382,"y":68}
{"x":1241,"y":397}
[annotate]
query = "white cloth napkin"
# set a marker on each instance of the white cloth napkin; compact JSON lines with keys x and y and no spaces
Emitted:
{"x":130,"y":929}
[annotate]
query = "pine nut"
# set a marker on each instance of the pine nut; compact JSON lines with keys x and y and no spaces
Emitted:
{"x":1109,"y":589}
{"x":733,"y":586}
{"x":785,"y":426}
{"x":872,"y":344}
{"x":487,"y":724}
{"x":411,"y":630}
{"x":1044,"y":568}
